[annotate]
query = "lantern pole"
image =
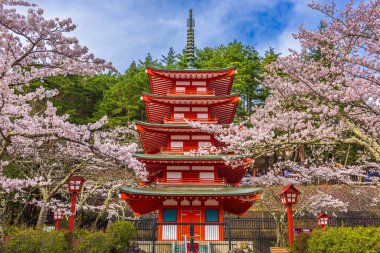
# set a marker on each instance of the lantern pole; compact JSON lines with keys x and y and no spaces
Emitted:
{"x":72,"y":211}
{"x":289,"y":195}
{"x":57,"y":217}
{"x":57,"y":222}
{"x":75,"y":186}
{"x":290,"y":224}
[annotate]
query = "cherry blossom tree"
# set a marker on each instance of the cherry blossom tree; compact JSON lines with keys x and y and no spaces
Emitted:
{"x":44,"y":147}
{"x":326,"y":94}
{"x":324,"y":188}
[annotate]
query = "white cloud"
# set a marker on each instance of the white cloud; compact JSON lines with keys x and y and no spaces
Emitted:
{"x":126,"y":30}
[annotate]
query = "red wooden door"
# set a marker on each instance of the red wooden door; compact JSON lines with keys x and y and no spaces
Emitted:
{"x":192,"y":175}
{"x":190,"y":216}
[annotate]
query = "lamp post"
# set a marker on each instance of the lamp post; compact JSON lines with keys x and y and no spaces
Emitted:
{"x":75,"y":186}
{"x":57,"y":215}
{"x":323,"y":220}
{"x":288,"y":196}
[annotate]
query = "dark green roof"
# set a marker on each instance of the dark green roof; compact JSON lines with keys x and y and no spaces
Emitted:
{"x":190,"y":190}
{"x":186,"y":157}
{"x":168,"y":125}
{"x":192,"y":70}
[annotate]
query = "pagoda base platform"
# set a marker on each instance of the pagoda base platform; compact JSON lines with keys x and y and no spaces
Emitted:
{"x":201,"y":246}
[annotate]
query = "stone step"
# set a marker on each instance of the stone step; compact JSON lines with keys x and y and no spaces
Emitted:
{"x":278,"y":250}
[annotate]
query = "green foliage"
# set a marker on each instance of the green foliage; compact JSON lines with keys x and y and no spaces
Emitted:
{"x":248,"y":81}
{"x":86,"y":99}
{"x":341,"y":240}
{"x":91,"y":241}
{"x":122,"y":101}
{"x":300,"y":243}
{"x":78,"y":96}
{"x":170,"y":60}
{"x":120,"y":233}
{"x":29,"y":240}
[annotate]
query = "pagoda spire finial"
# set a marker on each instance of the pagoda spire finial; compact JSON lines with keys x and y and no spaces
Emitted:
{"x":190,"y":50}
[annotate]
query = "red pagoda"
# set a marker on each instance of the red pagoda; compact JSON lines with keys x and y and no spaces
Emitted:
{"x":187,"y":187}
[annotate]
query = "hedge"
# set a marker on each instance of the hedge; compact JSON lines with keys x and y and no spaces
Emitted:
{"x":30,"y":240}
{"x":339,"y":240}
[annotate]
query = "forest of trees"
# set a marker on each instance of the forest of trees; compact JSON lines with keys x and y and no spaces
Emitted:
{"x":87,"y":99}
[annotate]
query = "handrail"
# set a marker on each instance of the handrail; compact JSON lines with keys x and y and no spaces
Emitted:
{"x":193,"y":118}
{"x":191,"y":180}
{"x":184,"y":149}
{"x":191,"y":92}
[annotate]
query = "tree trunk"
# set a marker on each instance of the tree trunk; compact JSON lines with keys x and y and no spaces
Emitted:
{"x":105,"y":206}
{"x":302,"y":154}
{"x":280,"y":232}
{"x":42,"y":215}
{"x":44,"y":208}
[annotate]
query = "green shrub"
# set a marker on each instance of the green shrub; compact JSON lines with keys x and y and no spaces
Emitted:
{"x":345,"y":240}
{"x":91,"y":241}
{"x":29,"y":240}
{"x":300,"y":243}
{"x":120,"y":232}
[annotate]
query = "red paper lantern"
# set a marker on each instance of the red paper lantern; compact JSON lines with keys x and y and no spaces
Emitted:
{"x":323,"y":219}
{"x":58,"y":214}
{"x":289,"y":195}
{"x":75,"y":184}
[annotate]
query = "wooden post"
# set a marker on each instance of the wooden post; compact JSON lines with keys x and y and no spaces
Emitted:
{"x":57,"y":224}
{"x":290,"y":225}
{"x":72,"y":212}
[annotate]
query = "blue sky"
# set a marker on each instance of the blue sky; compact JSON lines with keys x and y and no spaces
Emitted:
{"x":125,"y":30}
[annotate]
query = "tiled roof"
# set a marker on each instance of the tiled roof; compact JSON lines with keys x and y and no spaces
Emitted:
{"x":191,"y":190}
{"x":185,"y":157}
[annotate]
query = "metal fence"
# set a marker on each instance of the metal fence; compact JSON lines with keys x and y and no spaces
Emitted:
{"x":254,"y":233}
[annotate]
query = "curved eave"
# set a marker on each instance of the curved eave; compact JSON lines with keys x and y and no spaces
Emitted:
{"x":150,"y":69}
{"x":149,"y":199}
{"x":164,"y":127}
{"x":162,"y":81}
{"x":211,"y":191}
{"x":189,"y":99}
{"x":184,"y":97}
{"x":163,"y":157}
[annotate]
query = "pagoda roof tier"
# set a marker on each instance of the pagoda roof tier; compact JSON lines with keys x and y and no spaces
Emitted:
{"x":155,"y":162}
{"x":221,"y":108}
{"x":141,"y":125}
{"x":236,"y":200}
{"x":155,"y":136}
{"x":219,"y":81}
{"x":230,"y":175}
{"x":179,"y":158}
{"x":190,"y":190}
{"x":190,"y":99}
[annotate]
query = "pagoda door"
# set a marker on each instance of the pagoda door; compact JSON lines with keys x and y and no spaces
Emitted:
{"x":190,"y":217}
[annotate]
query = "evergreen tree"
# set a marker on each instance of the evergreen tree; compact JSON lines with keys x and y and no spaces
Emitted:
{"x":122,"y":101}
{"x":170,"y":60}
{"x":118,"y":95}
{"x":248,"y":63}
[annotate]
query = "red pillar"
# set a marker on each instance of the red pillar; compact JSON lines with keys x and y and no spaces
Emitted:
{"x":57,"y":224}
{"x":290,"y":225}
{"x":72,"y":212}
